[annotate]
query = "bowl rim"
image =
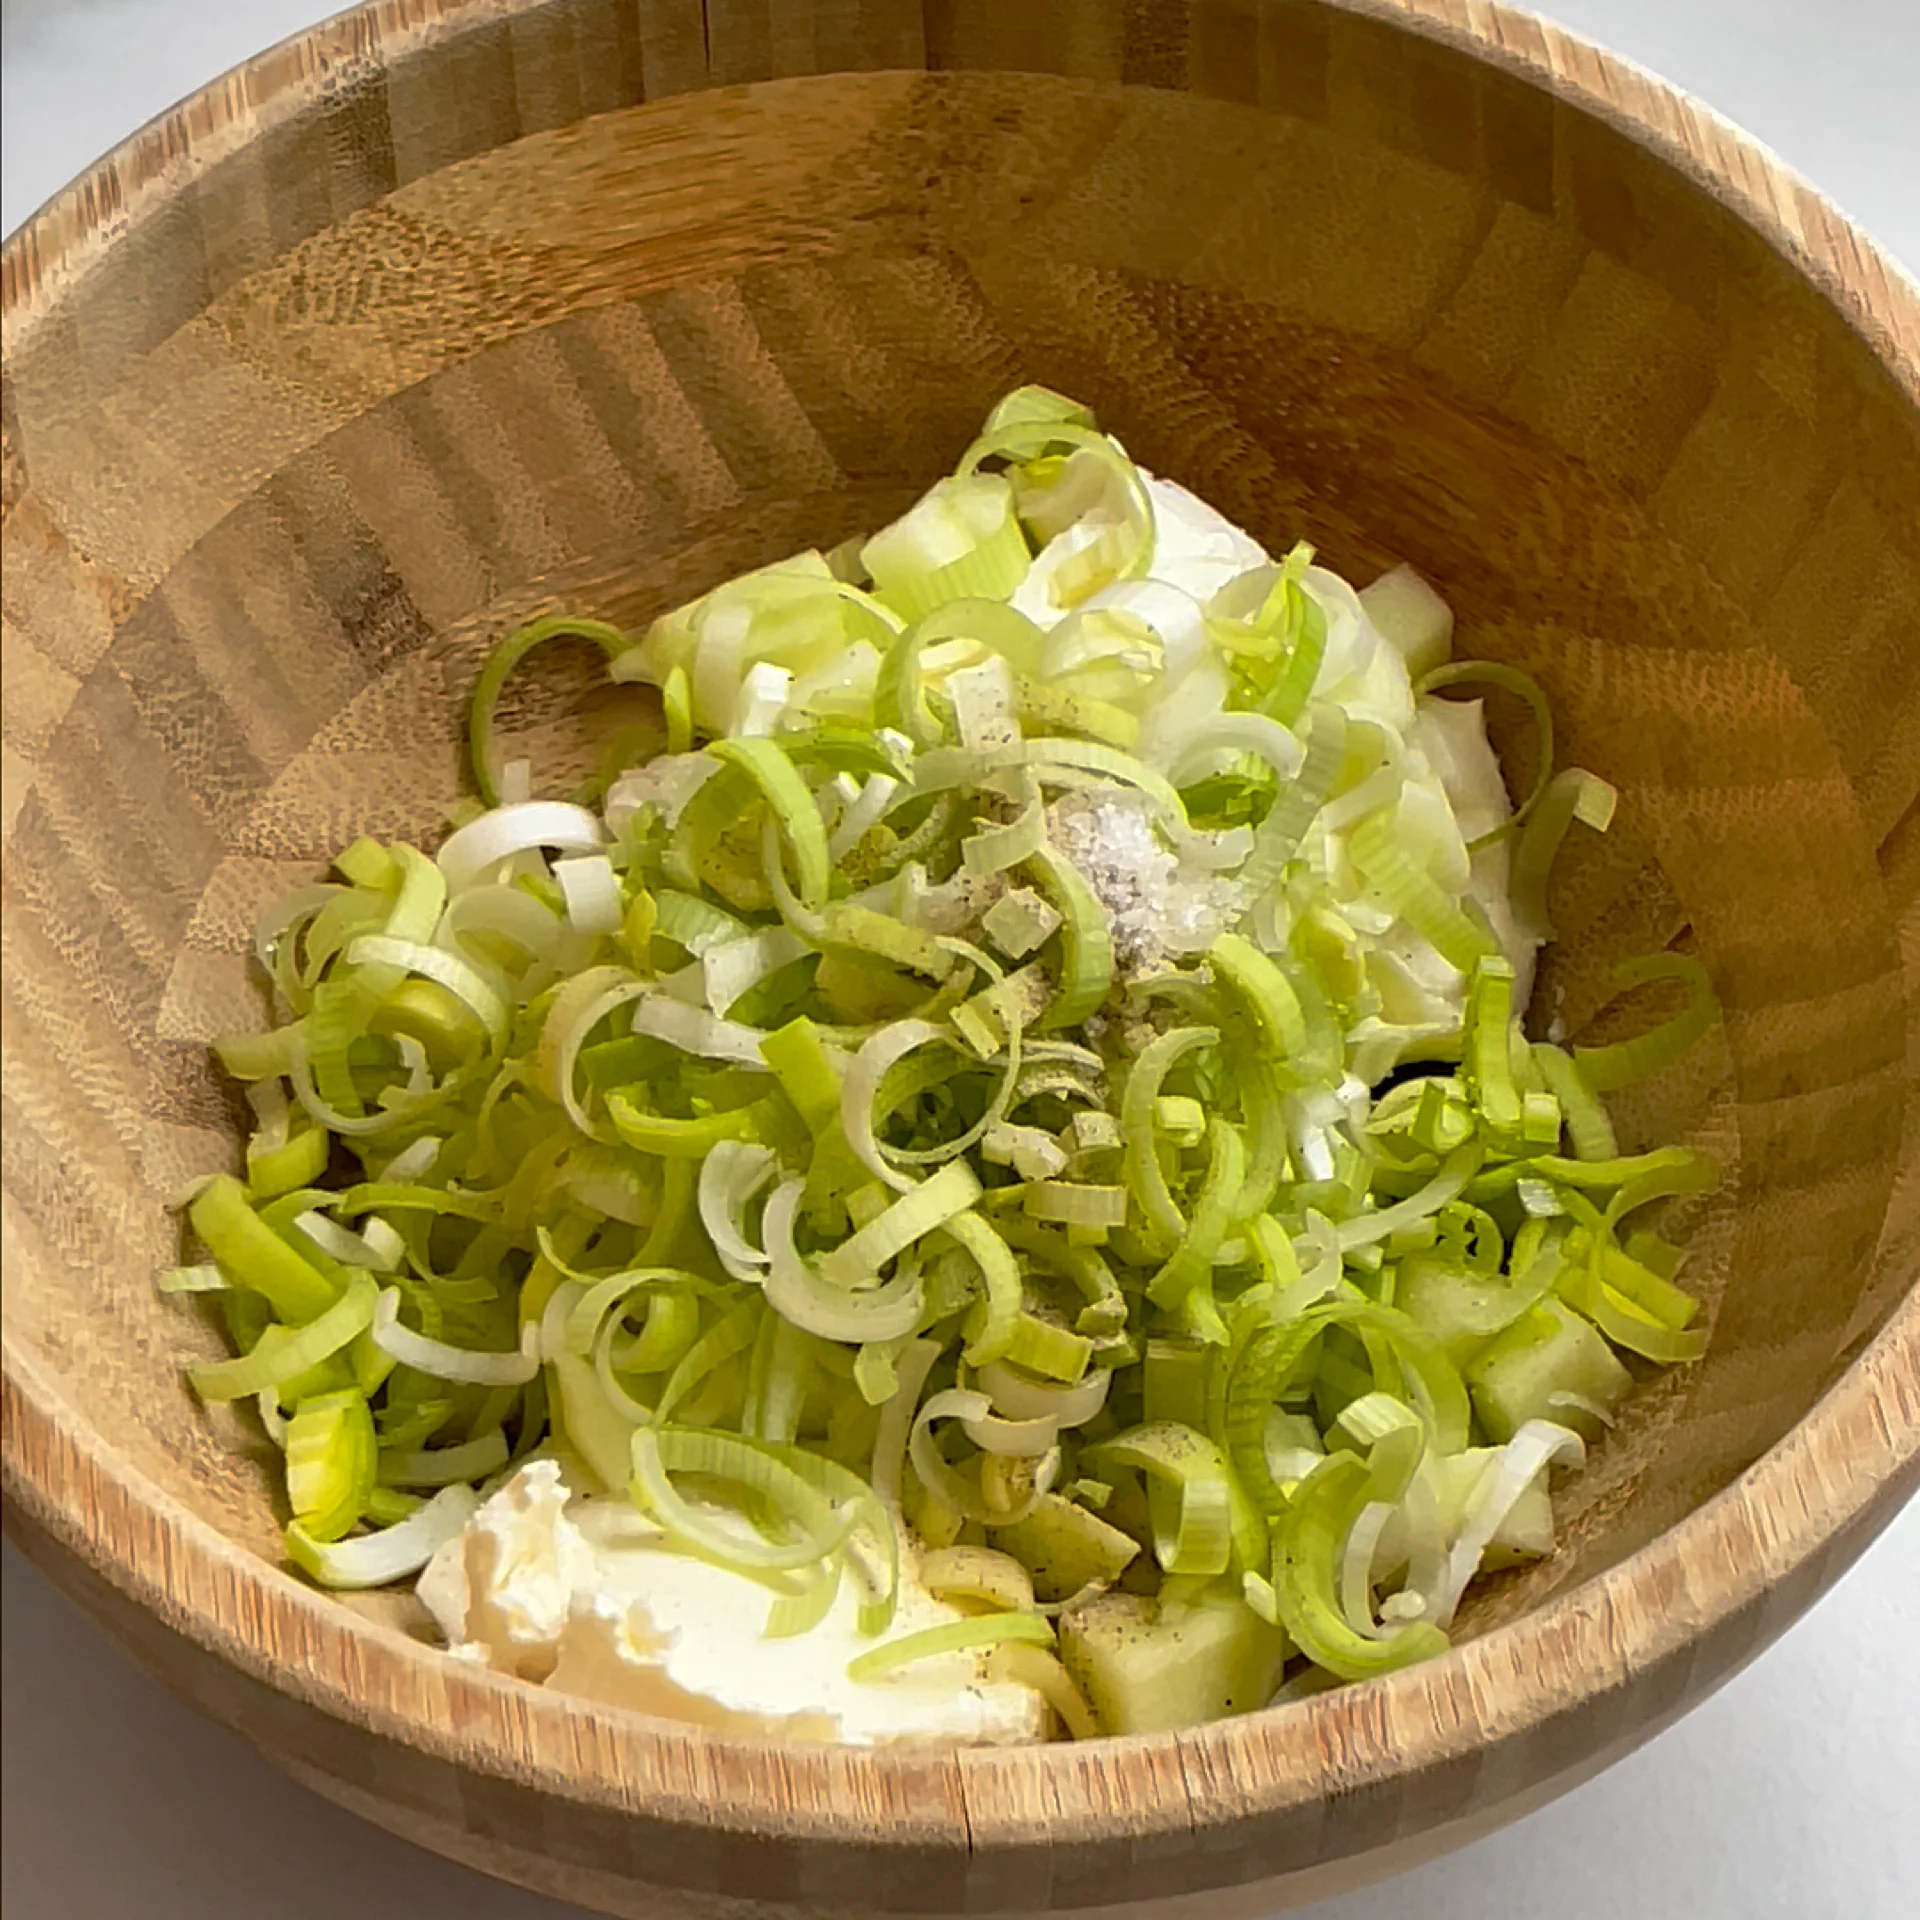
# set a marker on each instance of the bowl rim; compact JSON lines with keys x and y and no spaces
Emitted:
{"x":1733,"y":1572}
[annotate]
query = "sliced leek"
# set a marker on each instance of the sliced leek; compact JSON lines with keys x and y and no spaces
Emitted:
{"x":933,"y":1081}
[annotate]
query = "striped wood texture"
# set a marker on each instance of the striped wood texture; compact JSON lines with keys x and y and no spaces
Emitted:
{"x":455,"y":310}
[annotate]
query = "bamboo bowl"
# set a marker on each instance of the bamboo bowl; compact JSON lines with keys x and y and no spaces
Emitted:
{"x":455,"y":310}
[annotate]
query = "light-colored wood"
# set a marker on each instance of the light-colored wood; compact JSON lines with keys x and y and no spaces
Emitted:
{"x":448,"y":312}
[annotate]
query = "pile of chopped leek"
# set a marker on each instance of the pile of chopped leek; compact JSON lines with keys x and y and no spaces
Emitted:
{"x":1028,"y":1051}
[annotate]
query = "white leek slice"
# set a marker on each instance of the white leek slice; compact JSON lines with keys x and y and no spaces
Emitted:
{"x":471,"y":850}
{"x":464,"y":981}
{"x":1021,"y":1397}
{"x":731,"y":1176}
{"x":994,"y":1433}
{"x":1537,"y":1446}
{"x":577,"y":1009}
{"x":862,"y":1087}
{"x":800,"y":1296}
{"x":695,"y":1030}
{"x":734,"y":967}
{"x":591,"y":890}
{"x":377,"y":1559}
{"x":446,"y":1362}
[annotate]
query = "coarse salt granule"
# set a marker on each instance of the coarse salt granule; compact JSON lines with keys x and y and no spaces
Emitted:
{"x":1154,"y":908}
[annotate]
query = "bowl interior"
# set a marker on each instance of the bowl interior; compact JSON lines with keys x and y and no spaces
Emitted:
{"x":564,"y":311}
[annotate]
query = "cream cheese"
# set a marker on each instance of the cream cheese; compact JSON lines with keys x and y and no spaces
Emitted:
{"x":587,"y":1595}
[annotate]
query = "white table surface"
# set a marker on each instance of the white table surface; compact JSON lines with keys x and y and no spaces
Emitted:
{"x":1794,"y":1794}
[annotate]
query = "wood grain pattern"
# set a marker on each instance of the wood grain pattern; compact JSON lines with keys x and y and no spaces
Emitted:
{"x":454,"y":310}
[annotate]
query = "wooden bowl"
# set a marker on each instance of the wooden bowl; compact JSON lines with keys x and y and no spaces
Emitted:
{"x":448,"y":312}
